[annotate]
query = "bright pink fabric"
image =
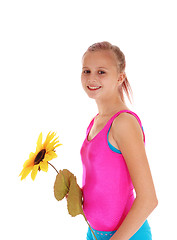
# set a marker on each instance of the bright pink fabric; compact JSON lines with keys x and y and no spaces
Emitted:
{"x":106,"y":182}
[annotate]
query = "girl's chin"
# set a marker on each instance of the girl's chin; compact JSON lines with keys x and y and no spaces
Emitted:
{"x":92,"y":95}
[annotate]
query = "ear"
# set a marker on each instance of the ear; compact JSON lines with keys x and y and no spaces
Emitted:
{"x":122,"y":76}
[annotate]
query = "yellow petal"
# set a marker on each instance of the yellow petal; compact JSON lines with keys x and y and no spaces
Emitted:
{"x":34,"y":172}
{"x":51,"y":155}
{"x":24,"y":173}
{"x":30,"y":161}
{"x":21,"y":172}
{"x":51,"y":146}
{"x":44,"y":166}
{"x":31,"y":155}
{"x":46,"y":158}
{"x":48,"y":138}
{"x":58,"y":145}
{"x":39,"y":143}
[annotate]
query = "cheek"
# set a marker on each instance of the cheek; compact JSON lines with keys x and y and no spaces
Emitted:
{"x":83,"y":81}
{"x":104,"y":80}
{"x":84,"y":78}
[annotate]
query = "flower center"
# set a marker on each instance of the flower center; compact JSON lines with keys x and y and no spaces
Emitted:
{"x":39,"y":157}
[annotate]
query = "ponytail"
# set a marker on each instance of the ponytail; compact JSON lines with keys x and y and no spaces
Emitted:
{"x":125,"y":87}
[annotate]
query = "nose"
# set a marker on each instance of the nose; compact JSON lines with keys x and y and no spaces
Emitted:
{"x":92,"y":78}
{"x":92,"y":82}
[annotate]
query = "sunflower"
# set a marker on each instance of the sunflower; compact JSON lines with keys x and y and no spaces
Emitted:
{"x":39,"y":160}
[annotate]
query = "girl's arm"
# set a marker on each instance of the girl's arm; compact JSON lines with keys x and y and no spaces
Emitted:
{"x":127,"y":133}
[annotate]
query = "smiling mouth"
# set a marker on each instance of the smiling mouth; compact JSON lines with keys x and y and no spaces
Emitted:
{"x":93,"y":88}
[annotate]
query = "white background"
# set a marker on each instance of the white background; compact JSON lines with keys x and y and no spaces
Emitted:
{"x":41,"y":46}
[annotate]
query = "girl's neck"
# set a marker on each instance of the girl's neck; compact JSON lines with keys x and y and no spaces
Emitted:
{"x":108,"y":108}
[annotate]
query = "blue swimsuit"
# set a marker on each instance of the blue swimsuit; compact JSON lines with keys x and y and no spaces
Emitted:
{"x":144,"y":233}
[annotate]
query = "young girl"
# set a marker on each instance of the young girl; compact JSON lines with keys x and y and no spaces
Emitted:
{"x":113,"y":153}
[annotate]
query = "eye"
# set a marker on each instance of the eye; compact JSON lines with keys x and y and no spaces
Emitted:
{"x":102,"y":72}
{"x":86,"y":71}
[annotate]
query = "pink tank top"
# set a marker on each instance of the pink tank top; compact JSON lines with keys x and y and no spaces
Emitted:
{"x":106,"y":182}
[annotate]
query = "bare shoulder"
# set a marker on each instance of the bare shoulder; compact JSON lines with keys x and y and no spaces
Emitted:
{"x":126,"y":125}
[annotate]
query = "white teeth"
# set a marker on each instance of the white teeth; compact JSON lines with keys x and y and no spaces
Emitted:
{"x":93,"y":87}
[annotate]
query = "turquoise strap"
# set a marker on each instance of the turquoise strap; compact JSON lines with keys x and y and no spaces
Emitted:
{"x":112,"y":147}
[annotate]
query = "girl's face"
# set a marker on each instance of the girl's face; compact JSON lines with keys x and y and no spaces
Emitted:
{"x":100,"y":74}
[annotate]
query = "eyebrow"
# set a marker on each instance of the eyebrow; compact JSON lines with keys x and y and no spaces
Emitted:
{"x":98,"y":67}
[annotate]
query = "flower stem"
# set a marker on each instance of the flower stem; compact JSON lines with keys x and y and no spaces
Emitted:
{"x":89,"y":225}
{"x":53,"y":167}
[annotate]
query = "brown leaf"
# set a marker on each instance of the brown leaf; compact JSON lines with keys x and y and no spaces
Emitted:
{"x":74,"y":199}
{"x":66,"y":183}
{"x":61,"y":185}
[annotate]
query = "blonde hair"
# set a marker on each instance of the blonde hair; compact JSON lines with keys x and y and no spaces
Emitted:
{"x":125,"y":86}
